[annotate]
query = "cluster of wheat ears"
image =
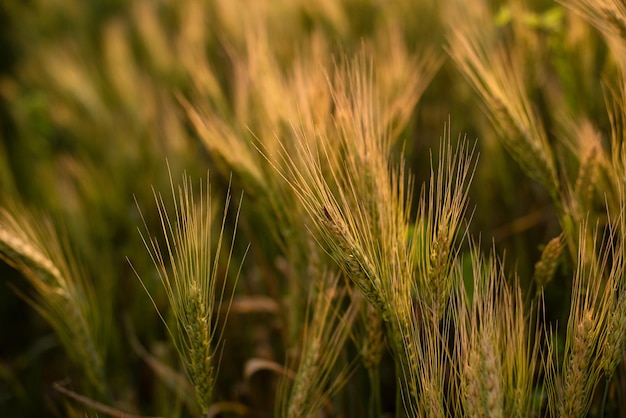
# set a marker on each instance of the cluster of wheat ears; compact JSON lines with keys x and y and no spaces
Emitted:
{"x":357,"y":285}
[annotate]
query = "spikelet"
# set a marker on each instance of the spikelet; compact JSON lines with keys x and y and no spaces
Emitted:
{"x":200,"y":357}
{"x":403,"y":336}
{"x":491,"y":376}
{"x":439,"y":284}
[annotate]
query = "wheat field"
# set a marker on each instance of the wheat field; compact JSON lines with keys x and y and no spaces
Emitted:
{"x":286,"y":208}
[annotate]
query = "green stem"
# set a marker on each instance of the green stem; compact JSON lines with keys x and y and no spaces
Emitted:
{"x":399,"y":389}
{"x":375,"y":407}
{"x":604,"y":397}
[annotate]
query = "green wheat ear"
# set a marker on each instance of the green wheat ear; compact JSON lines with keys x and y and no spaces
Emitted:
{"x":192,"y":283}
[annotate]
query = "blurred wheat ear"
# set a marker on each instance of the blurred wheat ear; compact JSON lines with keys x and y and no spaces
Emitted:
{"x":190,"y":270}
{"x":65,"y":298}
{"x":497,"y":74}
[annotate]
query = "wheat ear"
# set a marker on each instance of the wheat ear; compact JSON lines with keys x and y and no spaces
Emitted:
{"x":497,"y":75}
{"x":591,"y":301}
{"x":65,"y":298}
{"x":547,"y":264}
{"x":324,"y":336}
{"x":192,"y":279}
